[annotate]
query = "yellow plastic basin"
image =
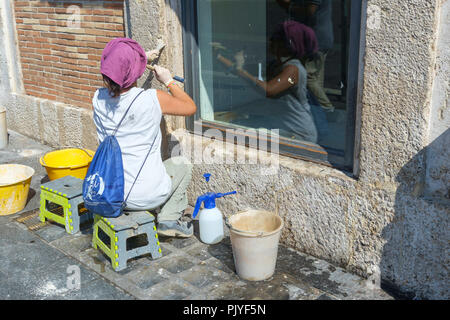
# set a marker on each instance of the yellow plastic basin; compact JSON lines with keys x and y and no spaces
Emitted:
{"x":67,"y":162}
{"x":15,"y":182}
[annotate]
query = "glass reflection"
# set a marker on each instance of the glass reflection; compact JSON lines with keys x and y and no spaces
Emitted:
{"x":275,"y":64}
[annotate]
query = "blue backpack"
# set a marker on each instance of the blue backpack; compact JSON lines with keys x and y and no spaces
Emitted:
{"x":103,"y":187}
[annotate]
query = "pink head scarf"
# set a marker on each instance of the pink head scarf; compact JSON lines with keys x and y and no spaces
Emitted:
{"x":301,"y":38}
{"x":123,"y":61}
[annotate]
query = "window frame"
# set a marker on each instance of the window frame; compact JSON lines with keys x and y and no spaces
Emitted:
{"x":345,"y":160}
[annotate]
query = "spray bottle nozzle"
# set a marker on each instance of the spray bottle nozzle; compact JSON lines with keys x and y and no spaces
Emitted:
{"x":209,"y":200}
{"x":220,"y":195}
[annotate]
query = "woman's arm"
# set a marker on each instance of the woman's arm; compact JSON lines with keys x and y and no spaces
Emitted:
{"x":178,"y":103}
{"x":280,"y":83}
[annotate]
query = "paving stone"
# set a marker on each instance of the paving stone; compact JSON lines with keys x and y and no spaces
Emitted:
{"x":99,"y":263}
{"x":324,"y":297}
{"x":268,"y":289}
{"x":150,"y":281}
{"x":11,"y":291}
{"x":179,"y":243}
{"x":165,"y":250}
{"x":202,"y":276}
{"x":26,"y":257}
{"x":51,"y":232}
{"x":130,"y":287}
{"x":96,"y":260}
{"x":73,"y":244}
{"x":13,"y":233}
{"x":199,"y":252}
{"x":98,"y":290}
{"x":236,"y":290}
{"x":54,"y":280}
{"x":168,"y":291}
{"x":304,"y":268}
{"x":224,"y":253}
{"x":286,"y":286}
{"x":293,"y":261}
{"x":101,"y":288}
{"x":149,"y":277}
{"x":176,"y":264}
{"x":298,"y":292}
{"x":5,"y":219}
{"x":354,"y":287}
{"x":227,"y":266}
{"x":60,"y":270}
{"x":47,"y":282}
{"x":135,"y":264}
{"x":197,"y":297}
{"x":221,"y":250}
{"x":23,"y":286}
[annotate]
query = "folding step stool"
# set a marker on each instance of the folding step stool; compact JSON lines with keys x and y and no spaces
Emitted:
{"x":60,"y":200}
{"x":118,"y":230}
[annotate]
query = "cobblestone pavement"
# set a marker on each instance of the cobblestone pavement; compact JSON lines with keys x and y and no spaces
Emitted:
{"x":34,"y":264}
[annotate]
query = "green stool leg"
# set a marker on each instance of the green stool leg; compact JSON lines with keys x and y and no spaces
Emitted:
{"x":153,"y":241}
{"x":97,"y":243}
{"x":73,"y":218}
{"x":117,"y":250}
{"x":121,"y":251}
{"x":95,"y":232}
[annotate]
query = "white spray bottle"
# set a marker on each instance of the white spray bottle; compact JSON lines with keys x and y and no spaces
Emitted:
{"x":211,"y":219}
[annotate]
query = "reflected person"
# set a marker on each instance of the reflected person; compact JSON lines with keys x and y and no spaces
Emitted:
{"x":317,"y":14}
{"x":289,"y":110}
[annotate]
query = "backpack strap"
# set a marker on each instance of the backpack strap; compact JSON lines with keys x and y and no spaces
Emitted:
{"x":126,"y":112}
{"x":148,"y":153}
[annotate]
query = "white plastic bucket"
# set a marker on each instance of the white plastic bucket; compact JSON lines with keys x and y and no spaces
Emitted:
{"x":3,"y":129}
{"x":254,"y":238}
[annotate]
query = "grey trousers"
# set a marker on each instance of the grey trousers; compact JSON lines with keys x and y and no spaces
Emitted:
{"x":315,"y":82}
{"x":180,"y":171}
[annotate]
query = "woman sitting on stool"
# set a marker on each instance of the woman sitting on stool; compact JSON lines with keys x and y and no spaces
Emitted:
{"x":159,"y":184}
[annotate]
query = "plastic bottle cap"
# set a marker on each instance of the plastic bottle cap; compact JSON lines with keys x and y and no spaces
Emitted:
{"x":209,"y":200}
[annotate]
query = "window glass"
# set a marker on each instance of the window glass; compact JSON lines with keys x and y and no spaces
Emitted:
{"x":276,"y":64}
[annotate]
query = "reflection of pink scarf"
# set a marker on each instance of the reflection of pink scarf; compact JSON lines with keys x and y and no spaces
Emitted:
{"x":123,"y":61}
{"x":301,"y":38}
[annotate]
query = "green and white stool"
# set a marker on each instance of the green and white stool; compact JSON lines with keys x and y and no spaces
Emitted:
{"x":61,"y":201}
{"x":111,"y":235}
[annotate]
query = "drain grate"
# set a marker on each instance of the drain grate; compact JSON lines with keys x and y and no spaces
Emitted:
{"x":31,"y":220}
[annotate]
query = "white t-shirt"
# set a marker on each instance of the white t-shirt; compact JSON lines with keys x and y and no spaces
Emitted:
{"x":135,"y":137}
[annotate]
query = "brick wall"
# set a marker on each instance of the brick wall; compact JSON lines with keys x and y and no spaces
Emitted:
{"x":60,"y":53}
